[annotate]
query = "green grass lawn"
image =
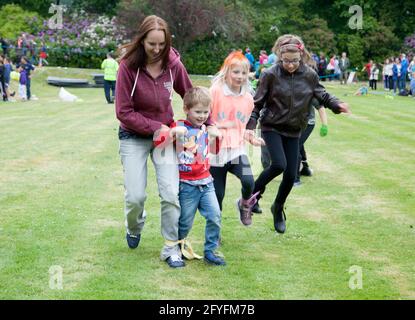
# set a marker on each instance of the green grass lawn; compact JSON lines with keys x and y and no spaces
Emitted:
{"x":61,"y":204}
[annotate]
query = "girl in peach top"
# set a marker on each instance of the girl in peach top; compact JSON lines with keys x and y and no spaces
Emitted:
{"x":232,"y":104}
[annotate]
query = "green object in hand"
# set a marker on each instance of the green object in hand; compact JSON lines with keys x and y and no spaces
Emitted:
{"x":324,"y":130}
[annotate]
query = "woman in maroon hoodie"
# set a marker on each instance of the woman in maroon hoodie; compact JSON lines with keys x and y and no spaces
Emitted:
{"x":150,"y":70}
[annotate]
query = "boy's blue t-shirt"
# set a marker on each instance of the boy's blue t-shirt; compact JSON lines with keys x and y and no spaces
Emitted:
{"x":28,"y":67}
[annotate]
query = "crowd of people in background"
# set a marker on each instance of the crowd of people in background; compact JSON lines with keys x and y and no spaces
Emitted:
{"x":17,"y":62}
{"x":21,"y":73}
{"x":25,"y":45}
{"x":395,"y":72}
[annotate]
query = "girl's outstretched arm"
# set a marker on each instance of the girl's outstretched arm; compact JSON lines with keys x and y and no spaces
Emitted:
{"x":249,"y":135}
{"x":323,"y":117}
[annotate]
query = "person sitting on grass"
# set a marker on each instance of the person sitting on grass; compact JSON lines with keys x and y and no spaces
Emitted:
{"x":193,"y":143}
{"x":362,"y":91}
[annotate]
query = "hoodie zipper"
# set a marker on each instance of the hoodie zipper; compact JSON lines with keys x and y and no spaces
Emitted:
{"x":292,"y":92}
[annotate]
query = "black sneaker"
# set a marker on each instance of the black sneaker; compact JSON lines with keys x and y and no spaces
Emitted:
{"x":279,"y":217}
{"x":214,"y":259}
{"x":306,"y":171}
{"x":256,"y":208}
{"x":133,"y":240}
{"x":175,"y":261}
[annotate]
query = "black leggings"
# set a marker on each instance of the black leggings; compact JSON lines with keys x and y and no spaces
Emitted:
{"x":304,"y":136}
{"x":284,"y":158}
{"x":241,"y":168}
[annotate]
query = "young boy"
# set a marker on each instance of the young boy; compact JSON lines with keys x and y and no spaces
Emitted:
{"x":22,"y":83}
{"x":193,"y":144}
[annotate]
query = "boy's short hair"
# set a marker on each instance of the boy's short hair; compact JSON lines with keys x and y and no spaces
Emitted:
{"x":197,"y":95}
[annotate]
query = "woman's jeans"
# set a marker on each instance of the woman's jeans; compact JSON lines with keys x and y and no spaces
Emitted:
{"x":134,"y":153}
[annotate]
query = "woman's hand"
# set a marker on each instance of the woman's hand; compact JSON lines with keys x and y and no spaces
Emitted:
{"x":164,"y":127}
{"x":178,"y":132}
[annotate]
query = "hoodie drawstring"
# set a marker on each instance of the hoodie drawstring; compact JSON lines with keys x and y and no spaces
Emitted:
{"x":136,"y":79}
{"x":135,"y":82}
{"x":171,"y":91}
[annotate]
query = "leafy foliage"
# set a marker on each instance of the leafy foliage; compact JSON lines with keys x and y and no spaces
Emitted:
{"x":15,"y":20}
{"x":189,"y":20}
{"x":211,"y":28}
{"x":39,"y":6}
{"x":106,"y":7}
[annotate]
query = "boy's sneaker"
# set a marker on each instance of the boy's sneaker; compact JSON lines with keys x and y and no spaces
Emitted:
{"x":133,"y":240}
{"x":175,"y":261}
{"x":214,"y":259}
{"x":245,"y":209}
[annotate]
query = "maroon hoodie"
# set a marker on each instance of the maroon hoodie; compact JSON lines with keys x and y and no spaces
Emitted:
{"x":150,"y":106}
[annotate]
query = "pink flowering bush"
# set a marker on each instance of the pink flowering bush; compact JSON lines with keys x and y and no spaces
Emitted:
{"x":409,"y":44}
{"x":83,"y":40}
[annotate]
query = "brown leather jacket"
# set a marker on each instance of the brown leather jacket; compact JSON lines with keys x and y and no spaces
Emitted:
{"x":286,"y":98}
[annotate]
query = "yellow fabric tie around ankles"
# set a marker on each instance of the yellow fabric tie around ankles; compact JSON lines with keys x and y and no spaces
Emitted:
{"x":185,"y":248}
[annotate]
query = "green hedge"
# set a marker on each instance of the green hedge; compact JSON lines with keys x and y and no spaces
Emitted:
{"x":206,"y":57}
{"x":71,"y":57}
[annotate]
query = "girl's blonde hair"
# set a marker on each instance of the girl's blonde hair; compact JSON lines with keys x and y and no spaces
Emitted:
{"x":292,"y":43}
{"x":233,"y":59}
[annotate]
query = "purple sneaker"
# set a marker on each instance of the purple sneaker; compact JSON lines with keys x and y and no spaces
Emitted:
{"x":245,"y":209}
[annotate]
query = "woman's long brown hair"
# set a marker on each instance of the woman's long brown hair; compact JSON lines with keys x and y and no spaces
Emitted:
{"x":134,"y":54}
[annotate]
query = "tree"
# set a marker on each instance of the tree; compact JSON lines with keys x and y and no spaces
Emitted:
{"x":39,"y":6}
{"x":107,"y":7}
{"x":318,"y":37}
{"x":18,"y":21}
{"x":189,"y":20}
